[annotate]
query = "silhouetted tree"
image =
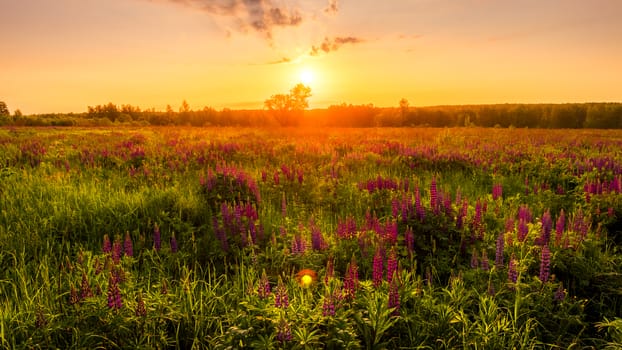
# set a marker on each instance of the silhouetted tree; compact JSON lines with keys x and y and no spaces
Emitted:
{"x":4,"y":110}
{"x":288,"y":109}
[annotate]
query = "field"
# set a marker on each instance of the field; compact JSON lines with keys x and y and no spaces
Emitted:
{"x":227,"y":238}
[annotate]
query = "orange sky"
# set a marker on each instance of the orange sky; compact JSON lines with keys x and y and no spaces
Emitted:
{"x":64,"y":55}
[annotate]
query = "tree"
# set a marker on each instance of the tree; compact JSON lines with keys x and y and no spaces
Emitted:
{"x":287,"y":109}
{"x":4,"y":110}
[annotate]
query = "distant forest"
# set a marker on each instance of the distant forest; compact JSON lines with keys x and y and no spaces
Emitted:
{"x":571,"y":115}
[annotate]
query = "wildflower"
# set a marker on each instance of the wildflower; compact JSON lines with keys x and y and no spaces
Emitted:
{"x":328,"y":306}
{"x":140,"y":311}
{"x":497,"y":191}
{"x":107,"y":245}
{"x":264,"y":286}
{"x":330,"y":269}
{"x":418,"y":206}
{"x":474,"y":259}
{"x":484,"y":263}
{"x":499,"y":250}
{"x":545,"y":263}
{"x":394,"y":298}
{"x":117,"y":250}
{"x":306,"y":277}
{"x":128,"y":248}
{"x":281,"y":298}
{"x":547,"y":227}
{"x":523,"y":230}
{"x":409,"y":239}
{"x":392,"y":263}
{"x":284,"y":331}
{"x":377,"y":266}
{"x":85,"y":287}
{"x":157,"y":238}
{"x":114,"y":294}
{"x":74,"y":298}
{"x":317,"y":239}
{"x":351,"y":281}
{"x":433,"y":196}
{"x":173,"y":242}
{"x":512,"y":272}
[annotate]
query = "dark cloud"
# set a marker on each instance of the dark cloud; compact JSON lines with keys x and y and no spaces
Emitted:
{"x":261,"y":16}
{"x":329,"y":45}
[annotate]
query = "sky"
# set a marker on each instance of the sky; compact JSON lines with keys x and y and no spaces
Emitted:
{"x":60,"y":56}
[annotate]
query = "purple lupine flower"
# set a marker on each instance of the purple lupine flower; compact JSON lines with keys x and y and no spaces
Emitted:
{"x":85,"y":287}
{"x":512,"y":270}
{"x":497,"y":191}
{"x":330,"y":269}
{"x":157,"y":238}
{"x":547,"y":227}
{"x":545,"y":263}
{"x":284,"y":331}
{"x":284,"y":206}
{"x":485,"y":265}
{"x":117,"y":251}
{"x":74,"y":297}
{"x":418,"y":206}
{"x":328,"y":306}
{"x":263,"y":290}
{"x":433,"y":196}
{"x":281,"y":298}
{"x":351,"y":281}
{"x":97,"y":266}
{"x":173,"y":243}
{"x":394,"y":298}
{"x":114,"y":294}
{"x":523,"y":230}
{"x":128,"y":247}
{"x":395,"y":208}
{"x":317,"y":239}
{"x":392,"y":264}
{"x":378,"y":267}
{"x":107,"y":245}
{"x":141,"y":310}
{"x":474,"y":259}
{"x":559,"y":227}
{"x":499,"y":251}
{"x":477,"y":231}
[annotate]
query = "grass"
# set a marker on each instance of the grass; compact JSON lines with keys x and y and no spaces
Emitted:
{"x":321,"y":206}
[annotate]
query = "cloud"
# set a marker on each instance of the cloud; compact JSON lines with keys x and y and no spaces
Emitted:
{"x":261,"y":16}
{"x":333,"y":7}
{"x":282,"y":60}
{"x":334,"y":44}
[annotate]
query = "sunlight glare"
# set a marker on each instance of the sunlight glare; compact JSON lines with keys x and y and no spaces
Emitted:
{"x":306,"y":77}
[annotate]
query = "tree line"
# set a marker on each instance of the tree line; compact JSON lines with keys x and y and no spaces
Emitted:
{"x":290,"y":110}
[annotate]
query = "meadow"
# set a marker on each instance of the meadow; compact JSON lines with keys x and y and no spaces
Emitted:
{"x":378,"y":238}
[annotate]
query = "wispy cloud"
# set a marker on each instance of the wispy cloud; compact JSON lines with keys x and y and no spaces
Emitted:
{"x":334,"y":44}
{"x":261,"y":16}
{"x":333,"y":7}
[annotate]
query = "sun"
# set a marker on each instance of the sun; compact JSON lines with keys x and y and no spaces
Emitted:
{"x":306,"y":76}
